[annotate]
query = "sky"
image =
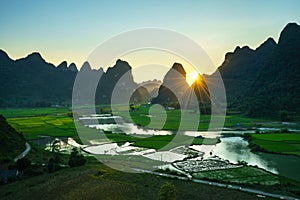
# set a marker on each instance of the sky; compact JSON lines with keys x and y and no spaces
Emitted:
{"x":71,"y":29}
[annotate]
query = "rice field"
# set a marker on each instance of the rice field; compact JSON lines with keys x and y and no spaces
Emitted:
{"x":32,"y":123}
{"x":286,"y":143}
{"x":240,"y":175}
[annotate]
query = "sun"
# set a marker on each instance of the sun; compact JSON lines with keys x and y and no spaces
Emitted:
{"x":191,"y":78}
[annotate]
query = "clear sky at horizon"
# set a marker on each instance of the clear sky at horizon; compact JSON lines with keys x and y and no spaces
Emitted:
{"x":70,"y":30}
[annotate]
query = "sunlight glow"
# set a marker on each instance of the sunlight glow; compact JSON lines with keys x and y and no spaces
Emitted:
{"x":191,"y":78}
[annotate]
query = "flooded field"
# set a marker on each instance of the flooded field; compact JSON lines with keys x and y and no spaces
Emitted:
{"x":231,"y":152}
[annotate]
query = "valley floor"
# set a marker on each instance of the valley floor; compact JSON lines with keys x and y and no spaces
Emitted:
{"x":96,"y":181}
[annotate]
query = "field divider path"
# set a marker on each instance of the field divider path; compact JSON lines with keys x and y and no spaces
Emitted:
{"x":229,"y":186}
{"x":24,"y":153}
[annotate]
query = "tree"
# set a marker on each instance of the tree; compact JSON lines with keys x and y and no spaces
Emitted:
{"x":284,"y":115}
{"x":23,"y":163}
{"x":55,"y":145}
{"x":167,"y":192}
{"x":54,"y":162}
{"x":51,"y":165}
{"x":76,"y":159}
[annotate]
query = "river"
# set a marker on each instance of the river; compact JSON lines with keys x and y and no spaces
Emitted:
{"x":233,"y":148}
{"x":236,"y":149}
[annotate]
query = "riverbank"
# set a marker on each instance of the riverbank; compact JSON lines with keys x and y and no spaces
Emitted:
{"x":275,"y":143}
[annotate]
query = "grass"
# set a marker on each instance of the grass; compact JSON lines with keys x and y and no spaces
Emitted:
{"x":96,"y":181}
{"x":39,"y":155}
{"x":32,"y":127}
{"x":285,"y":143}
{"x":55,"y":122}
{"x":32,"y":123}
{"x":28,"y":112}
{"x":253,"y":177}
{"x":241,"y":175}
{"x":173,"y":119}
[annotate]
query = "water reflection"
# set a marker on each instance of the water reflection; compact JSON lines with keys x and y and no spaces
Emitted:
{"x":236,"y":149}
{"x":233,"y":149}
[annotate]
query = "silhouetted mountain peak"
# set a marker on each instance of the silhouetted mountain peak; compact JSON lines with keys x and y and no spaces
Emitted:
{"x":63,"y":66}
{"x":4,"y":55}
{"x":178,"y":67}
{"x":174,"y":87}
{"x":101,"y":70}
{"x":290,"y":27}
{"x":35,"y":57}
{"x":117,"y":78}
{"x":72,"y":67}
{"x":4,"y":58}
{"x":122,"y":64}
{"x":237,"y":53}
{"x":176,"y":72}
{"x":269,"y":43}
{"x":119,"y":61}
{"x":238,"y":49}
{"x":290,"y":34}
{"x":120,"y":68}
{"x":266,"y":48}
{"x":245,"y":50}
{"x":86,"y":67}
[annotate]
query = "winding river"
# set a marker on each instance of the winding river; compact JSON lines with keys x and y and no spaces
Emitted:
{"x":233,"y":148}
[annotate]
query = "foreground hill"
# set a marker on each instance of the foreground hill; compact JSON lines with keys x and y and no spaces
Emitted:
{"x":12,"y":142}
{"x":100,"y":182}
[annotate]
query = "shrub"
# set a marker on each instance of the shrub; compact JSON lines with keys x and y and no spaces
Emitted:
{"x":76,"y":159}
{"x":167,"y":192}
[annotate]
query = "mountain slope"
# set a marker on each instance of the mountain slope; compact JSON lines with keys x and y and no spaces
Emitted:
{"x":31,"y":81}
{"x":176,"y":92}
{"x":277,"y":87}
{"x":174,"y":87}
{"x":241,"y":67}
{"x":265,"y":81}
{"x":116,"y":79}
{"x":12,"y":142}
{"x":201,"y":91}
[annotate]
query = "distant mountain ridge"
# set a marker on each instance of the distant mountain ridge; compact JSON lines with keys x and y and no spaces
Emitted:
{"x":258,"y":82}
{"x":31,"y":81}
